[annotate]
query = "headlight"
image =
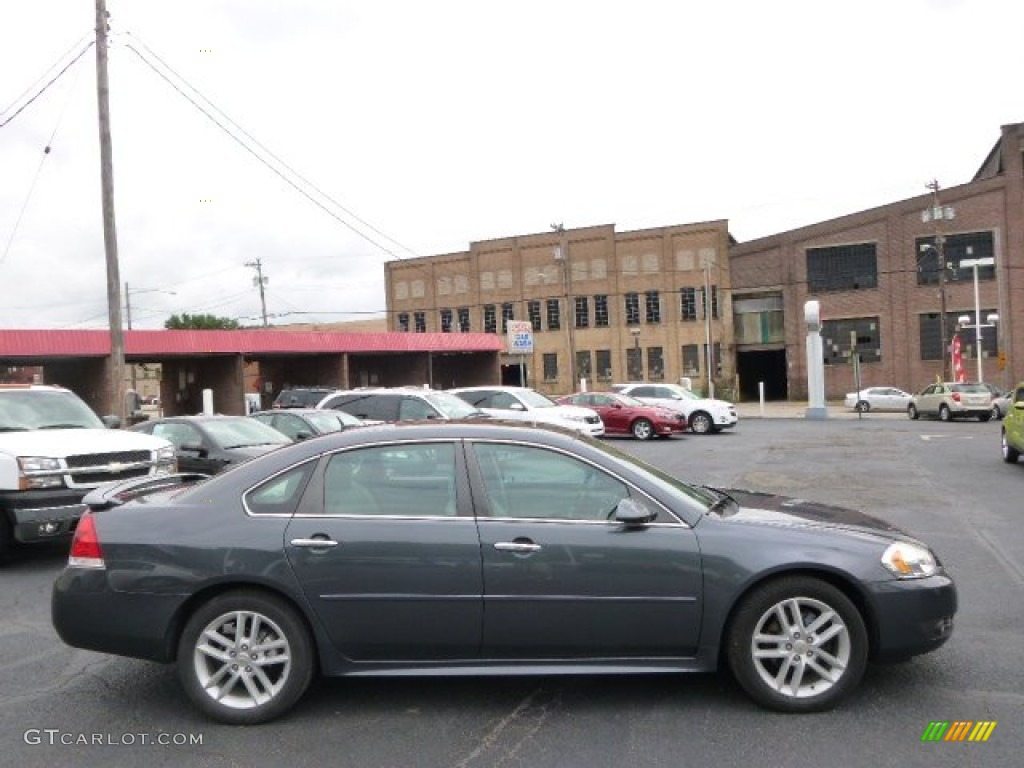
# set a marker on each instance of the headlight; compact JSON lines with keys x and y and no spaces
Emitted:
{"x":40,"y":472}
{"x":909,"y":561}
{"x":166,"y":461}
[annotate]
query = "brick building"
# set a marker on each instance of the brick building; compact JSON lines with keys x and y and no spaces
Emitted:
{"x":603,"y":305}
{"x":877,"y":276}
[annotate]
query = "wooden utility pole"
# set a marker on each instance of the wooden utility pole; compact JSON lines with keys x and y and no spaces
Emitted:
{"x":116,"y":393}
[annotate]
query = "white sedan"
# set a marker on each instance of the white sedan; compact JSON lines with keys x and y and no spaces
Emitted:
{"x":525,"y":404}
{"x":878,"y":399}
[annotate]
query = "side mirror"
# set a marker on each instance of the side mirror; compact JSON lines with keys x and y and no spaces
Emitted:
{"x":517,"y":407}
{"x":302,"y":435}
{"x":193,"y":447}
{"x":634,"y":512}
{"x":111,"y":421}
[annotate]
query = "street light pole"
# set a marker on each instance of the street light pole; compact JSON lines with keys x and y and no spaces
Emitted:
{"x":562,"y":255}
{"x":978,"y":325}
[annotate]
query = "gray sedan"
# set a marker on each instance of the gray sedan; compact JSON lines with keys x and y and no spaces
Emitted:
{"x":474,"y":548}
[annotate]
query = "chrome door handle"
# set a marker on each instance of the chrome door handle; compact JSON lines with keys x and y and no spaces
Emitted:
{"x":314,"y":543}
{"x":516,"y":546}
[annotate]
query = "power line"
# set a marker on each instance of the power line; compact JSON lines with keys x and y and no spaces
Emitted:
{"x":281,"y":174}
{"x":46,"y":87}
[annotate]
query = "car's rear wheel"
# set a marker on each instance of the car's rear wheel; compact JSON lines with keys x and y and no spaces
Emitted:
{"x":701,"y":423}
{"x":245,"y":657}
{"x":1010,"y":454}
{"x":642,"y":429}
{"x":863,"y":406}
{"x":797,"y":644}
{"x":912,"y":411}
{"x":944,"y":413}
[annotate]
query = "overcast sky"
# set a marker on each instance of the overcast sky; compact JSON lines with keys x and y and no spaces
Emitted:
{"x":431,"y":124}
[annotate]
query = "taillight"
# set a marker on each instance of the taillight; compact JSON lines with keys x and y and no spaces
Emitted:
{"x":85,"y":546}
{"x":956,"y":397}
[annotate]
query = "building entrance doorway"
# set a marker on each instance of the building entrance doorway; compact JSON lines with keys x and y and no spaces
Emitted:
{"x":762,"y":365}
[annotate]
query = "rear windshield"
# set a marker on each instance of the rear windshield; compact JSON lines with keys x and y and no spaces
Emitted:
{"x":971,"y":389}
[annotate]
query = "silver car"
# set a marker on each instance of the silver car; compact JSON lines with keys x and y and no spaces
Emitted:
{"x":951,"y":399}
{"x":878,"y":399}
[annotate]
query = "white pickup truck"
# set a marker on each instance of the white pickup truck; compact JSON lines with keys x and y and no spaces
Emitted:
{"x":54,"y":450}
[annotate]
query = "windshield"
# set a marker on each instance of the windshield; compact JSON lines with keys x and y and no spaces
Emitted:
{"x":240,"y":432}
{"x":630,"y":400}
{"x":30,"y":409}
{"x":451,"y":406}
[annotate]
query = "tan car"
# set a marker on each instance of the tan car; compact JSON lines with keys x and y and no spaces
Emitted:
{"x":950,"y":400}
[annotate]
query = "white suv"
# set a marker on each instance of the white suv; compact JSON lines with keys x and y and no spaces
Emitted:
{"x":524,"y":404}
{"x":704,"y":415}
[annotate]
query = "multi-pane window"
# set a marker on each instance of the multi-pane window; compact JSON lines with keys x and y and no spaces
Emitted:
{"x":931,"y":338}
{"x":956,"y":248}
{"x":687,"y":303}
{"x":714,"y":303}
{"x":632,"y":309}
{"x":490,"y":319}
{"x":420,"y":319}
{"x":550,"y":366}
{"x":464,"y":319}
{"x":655,"y":363}
{"x":582,"y":307}
{"x":635,"y":363}
{"x":403,"y":321}
{"x":446,"y":321}
{"x":533,"y":312}
{"x":603,"y":361}
{"x":554,"y":315}
{"x":838,"y":338}
{"x":583,"y":369}
{"x":691,"y":360}
{"x":601,"y":311}
{"x":842,"y":268}
{"x":508,"y":312}
{"x":652,"y":306}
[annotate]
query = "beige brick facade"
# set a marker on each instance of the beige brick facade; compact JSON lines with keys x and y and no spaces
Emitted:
{"x":651,"y":268}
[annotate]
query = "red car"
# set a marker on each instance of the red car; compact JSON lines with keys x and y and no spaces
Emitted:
{"x":625,"y":415}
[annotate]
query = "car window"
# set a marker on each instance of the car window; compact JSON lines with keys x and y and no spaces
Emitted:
{"x":289,"y":425}
{"x":644,"y":392}
{"x":479,"y":398}
{"x":177,"y":433}
{"x":279,"y":495}
{"x":504,"y":401}
{"x":414,"y":408}
{"x":408,"y":480}
{"x":531,"y":482}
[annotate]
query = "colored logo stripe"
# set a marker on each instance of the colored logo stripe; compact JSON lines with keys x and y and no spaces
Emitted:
{"x":958,"y":730}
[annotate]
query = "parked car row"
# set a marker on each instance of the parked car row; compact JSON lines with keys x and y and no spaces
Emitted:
{"x":943,"y":400}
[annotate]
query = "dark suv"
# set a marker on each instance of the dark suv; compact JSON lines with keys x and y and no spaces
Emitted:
{"x":302,"y":397}
{"x":400,"y":404}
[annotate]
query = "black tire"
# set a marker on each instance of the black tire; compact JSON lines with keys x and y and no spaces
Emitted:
{"x":282,"y":675}
{"x":1010,"y":454}
{"x":912,"y":412}
{"x":863,"y":406}
{"x":642,"y":429}
{"x":996,"y":413}
{"x":822,"y":673}
{"x":701,"y":423}
{"x":6,"y":536}
{"x":944,"y":413}
{"x":984,"y":416}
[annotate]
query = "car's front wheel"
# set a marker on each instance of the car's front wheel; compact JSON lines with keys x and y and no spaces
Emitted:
{"x":245,"y":657}
{"x":945,"y":414}
{"x":863,"y":406}
{"x":912,"y":412}
{"x":1010,"y":454}
{"x":701,"y":423}
{"x":797,"y":644}
{"x":642,"y":429}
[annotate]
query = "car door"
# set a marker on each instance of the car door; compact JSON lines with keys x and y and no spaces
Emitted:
{"x":561,"y":579}
{"x":386,"y":550}
{"x":615,"y":417}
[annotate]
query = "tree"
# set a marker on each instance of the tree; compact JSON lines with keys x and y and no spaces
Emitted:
{"x":186,"y":322}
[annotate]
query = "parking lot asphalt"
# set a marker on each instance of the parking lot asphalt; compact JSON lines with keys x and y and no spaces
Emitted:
{"x":943,"y":482}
